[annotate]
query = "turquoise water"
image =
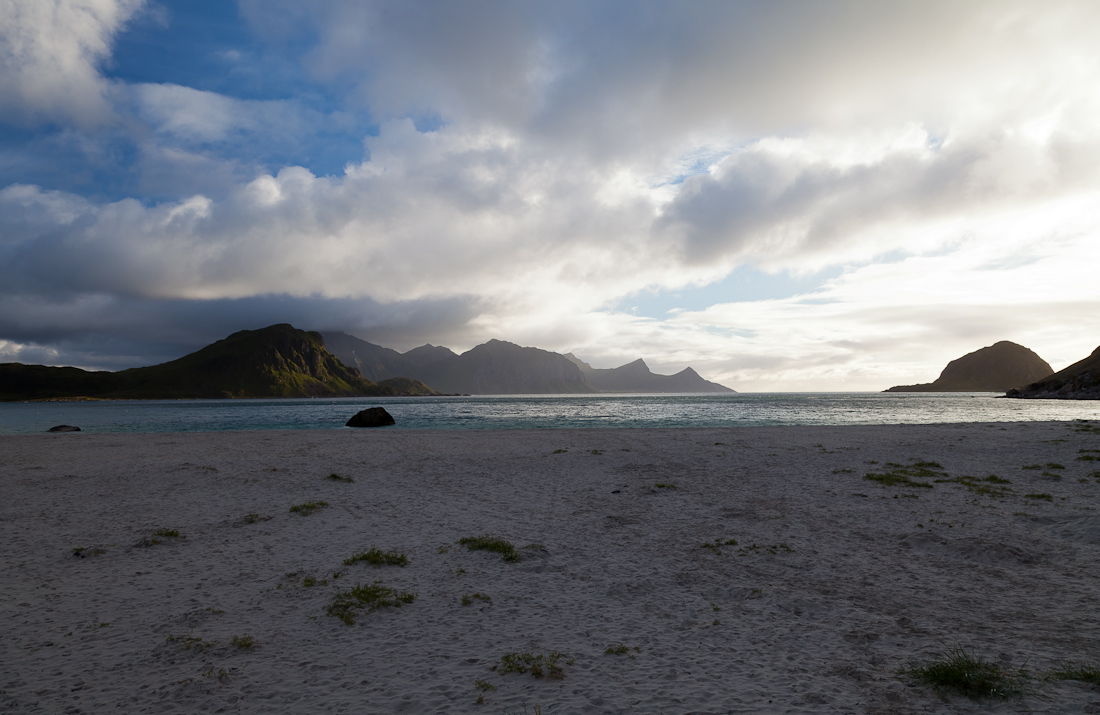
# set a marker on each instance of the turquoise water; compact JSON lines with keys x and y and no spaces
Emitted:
{"x":541,"y":412}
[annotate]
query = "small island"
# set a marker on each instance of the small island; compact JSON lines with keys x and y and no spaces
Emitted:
{"x":996,"y":368}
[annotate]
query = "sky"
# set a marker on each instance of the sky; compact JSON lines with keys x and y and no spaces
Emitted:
{"x":784,"y":195}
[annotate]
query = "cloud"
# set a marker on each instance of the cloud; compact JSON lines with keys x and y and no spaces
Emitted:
{"x":50,"y":53}
{"x":797,"y":202}
{"x":941,"y":158}
{"x":98,"y":331}
{"x":613,"y":76}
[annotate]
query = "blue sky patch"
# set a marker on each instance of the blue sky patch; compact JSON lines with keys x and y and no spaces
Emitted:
{"x":743,"y":284}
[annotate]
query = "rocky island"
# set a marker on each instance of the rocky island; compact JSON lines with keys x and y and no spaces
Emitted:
{"x":999,"y":367}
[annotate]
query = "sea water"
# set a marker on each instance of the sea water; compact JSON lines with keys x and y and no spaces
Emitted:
{"x":540,"y":412}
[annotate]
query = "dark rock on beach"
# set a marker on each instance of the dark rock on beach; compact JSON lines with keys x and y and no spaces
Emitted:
{"x":63,"y":428}
{"x":372,"y":417}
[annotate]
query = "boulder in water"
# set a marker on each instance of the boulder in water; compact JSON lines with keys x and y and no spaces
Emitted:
{"x":63,"y":428}
{"x":372,"y":417}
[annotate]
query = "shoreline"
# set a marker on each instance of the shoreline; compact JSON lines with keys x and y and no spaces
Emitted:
{"x":835,"y":583}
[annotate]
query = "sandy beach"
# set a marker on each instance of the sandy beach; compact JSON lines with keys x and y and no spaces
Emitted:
{"x":834,"y":583}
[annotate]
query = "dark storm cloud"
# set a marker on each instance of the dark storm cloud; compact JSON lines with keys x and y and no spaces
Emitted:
{"x":104,"y":332}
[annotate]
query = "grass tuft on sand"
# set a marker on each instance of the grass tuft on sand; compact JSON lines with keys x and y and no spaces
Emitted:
{"x":716,"y":545}
{"x":538,"y":665}
{"x":903,"y":475}
{"x":346,"y":605}
{"x":1085,"y":672}
{"x":491,"y":543}
{"x":991,"y":486}
{"x":467,"y":598}
{"x":966,"y":673}
{"x":307,"y":508}
{"x":190,"y":642}
{"x":155,"y":539}
{"x":378,"y":558}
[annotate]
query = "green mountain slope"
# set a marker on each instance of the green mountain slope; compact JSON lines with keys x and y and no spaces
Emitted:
{"x":278,"y":361}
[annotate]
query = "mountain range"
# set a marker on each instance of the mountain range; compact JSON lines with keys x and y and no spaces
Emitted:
{"x":997,"y":368}
{"x":502,"y":368}
{"x":277,"y":361}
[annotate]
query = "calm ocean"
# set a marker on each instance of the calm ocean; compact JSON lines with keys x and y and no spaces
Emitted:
{"x":541,"y":412}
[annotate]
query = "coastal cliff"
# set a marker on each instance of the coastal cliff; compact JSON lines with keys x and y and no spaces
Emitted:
{"x":1079,"y":381}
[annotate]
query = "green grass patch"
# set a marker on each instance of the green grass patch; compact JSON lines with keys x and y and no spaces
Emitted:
{"x":244,"y":642}
{"x":895,"y":480}
{"x":190,"y":642}
{"x":307,"y":508}
{"x":1045,"y":497}
{"x":155,"y":539}
{"x":560,"y":451}
{"x":1087,"y":458}
{"x":717,"y":544}
{"x":991,"y":486}
{"x":493,"y":544}
{"x":622,"y":650}
{"x":1054,"y":465}
{"x":468,"y":598}
{"x":1087,"y":673}
{"x":378,"y":558}
{"x":1032,"y":466}
{"x":337,"y":478}
{"x":966,"y":673}
{"x":83,"y":552}
{"x":537,"y":665}
{"x":346,"y":605}
{"x":903,"y":475}
{"x":484,"y":686}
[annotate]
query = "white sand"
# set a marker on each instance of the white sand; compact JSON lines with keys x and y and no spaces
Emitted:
{"x":821,"y":628}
